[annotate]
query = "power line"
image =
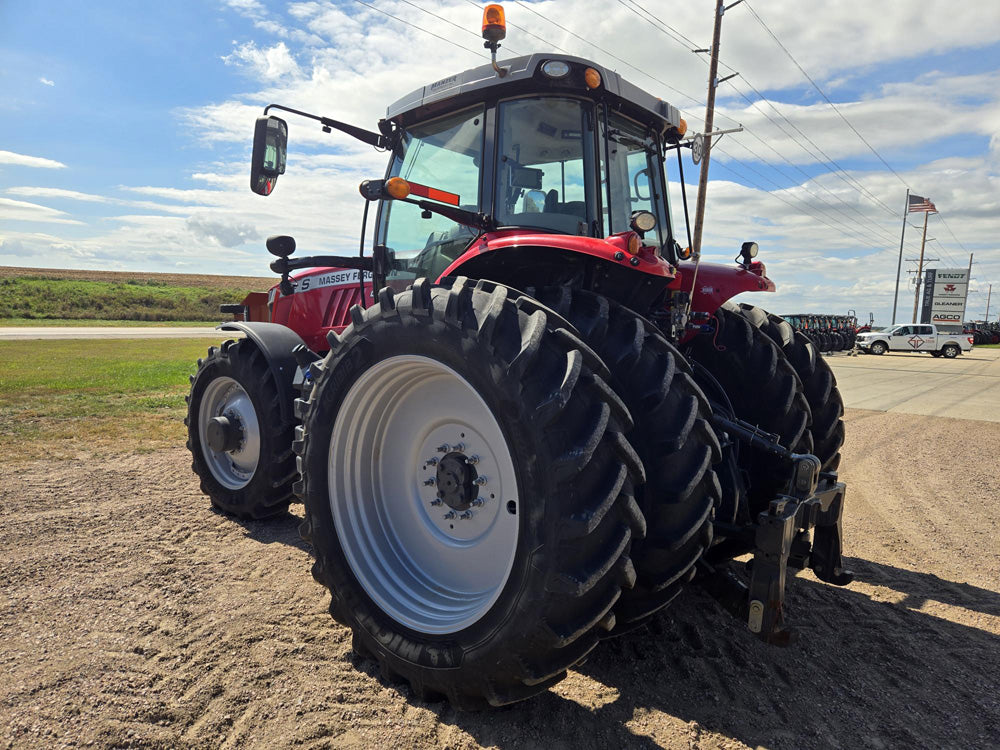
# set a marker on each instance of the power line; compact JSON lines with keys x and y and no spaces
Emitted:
{"x":821,"y":93}
{"x":419,"y":28}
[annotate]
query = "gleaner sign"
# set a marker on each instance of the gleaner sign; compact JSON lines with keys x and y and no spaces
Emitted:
{"x":945,"y":292}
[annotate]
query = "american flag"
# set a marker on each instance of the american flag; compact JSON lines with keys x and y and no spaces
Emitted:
{"x":918,"y":203}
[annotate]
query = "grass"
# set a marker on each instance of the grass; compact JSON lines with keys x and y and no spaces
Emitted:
{"x":76,"y":322}
{"x":26,"y":297}
{"x":64,"y":398}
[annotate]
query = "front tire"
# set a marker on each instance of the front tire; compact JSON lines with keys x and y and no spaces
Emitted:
{"x":495,"y":610}
{"x":878,"y":347}
{"x":241,"y":448}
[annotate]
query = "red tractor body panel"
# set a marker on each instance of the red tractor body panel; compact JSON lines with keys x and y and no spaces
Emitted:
{"x":603,"y":249}
{"x":321,"y":303}
{"x":716,"y":283}
{"x":324,"y":296}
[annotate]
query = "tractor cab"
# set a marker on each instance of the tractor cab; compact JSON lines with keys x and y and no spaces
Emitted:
{"x":555,"y":146}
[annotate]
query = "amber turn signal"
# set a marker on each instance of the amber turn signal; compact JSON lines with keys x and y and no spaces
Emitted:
{"x":633,"y":243}
{"x":494,"y":23}
{"x":397,"y":188}
{"x":592,"y":78}
{"x":682,"y":128}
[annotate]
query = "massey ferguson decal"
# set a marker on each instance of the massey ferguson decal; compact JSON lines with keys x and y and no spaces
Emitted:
{"x":334,"y":278}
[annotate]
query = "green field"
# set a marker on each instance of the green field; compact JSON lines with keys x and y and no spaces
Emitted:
{"x":146,"y":300}
{"x":79,"y":322}
{"x":62,"y":398}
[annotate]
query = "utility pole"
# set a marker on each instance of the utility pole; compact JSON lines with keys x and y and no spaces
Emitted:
{"x":899,"y":266}
{"x":713,"y":84}
{"x":988,"y":295}
{"x":920,"y":268}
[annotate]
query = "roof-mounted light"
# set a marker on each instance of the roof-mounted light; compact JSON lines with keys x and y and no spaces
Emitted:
{"x":555,"y":69}
{"x":592,"y":78}
{"x":494,"y":23}
{"x":682,"y":128}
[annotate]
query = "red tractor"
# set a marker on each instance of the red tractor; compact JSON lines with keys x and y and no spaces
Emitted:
{"x":521,"y":419}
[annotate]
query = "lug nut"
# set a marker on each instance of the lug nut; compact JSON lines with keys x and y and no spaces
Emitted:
{"x":432,"y":461}
{"x":466,"y":515}
{"x":450,"y":515}
{"x":429,"y":482}
{"x":459,"y":448}
{"x":436,"y":501}
{"x":478,"y":502}
{"x":472,"y":459}
{"x":444,"y":448}
{"x":480,"y":481}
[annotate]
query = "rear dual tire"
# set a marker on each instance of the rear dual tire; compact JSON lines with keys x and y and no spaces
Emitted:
{"x":674,"y":439}
{"x":543,"y":591}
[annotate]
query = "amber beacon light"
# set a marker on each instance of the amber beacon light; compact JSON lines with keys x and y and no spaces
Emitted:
{"x":494,"y":23}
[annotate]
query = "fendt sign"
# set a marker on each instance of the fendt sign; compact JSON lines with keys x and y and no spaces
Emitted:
{"x":945,"y":292}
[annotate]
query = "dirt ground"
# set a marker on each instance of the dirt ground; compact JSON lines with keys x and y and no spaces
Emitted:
{"x":133,"y":616}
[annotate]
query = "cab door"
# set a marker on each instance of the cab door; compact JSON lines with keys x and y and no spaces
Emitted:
{"x":900,"y":339}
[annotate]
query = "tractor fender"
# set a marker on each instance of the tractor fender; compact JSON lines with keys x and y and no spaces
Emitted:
{"x":610,"y":249}
{"x":716,"y":283}
{"x":276,"y":342}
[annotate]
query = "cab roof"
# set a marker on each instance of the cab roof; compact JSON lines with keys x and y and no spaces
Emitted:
{"x":524,"y":76}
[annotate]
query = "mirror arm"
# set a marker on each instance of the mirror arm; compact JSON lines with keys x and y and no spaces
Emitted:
{"x":366,"y":136}
{"x":484,"y":222}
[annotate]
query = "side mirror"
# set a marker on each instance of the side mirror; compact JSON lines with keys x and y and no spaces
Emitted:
{"x":270,"y":146}
{"x":280,"y":245}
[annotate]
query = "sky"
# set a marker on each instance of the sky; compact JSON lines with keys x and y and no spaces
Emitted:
{"x":126,"y":130}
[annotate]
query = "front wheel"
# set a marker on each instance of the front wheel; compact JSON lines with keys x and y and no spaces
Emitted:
{"x":468,"y":491}
{"x":950,"y":351}
{"x":241,"y":448}
{"x":878,"y":347}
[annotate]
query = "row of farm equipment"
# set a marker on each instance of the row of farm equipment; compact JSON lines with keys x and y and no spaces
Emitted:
{"x":985,"y":333}
{"x":828,"y":333}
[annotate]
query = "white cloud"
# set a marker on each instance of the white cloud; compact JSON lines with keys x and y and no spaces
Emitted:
{"x":21,"y":160}
{"x":46,"y":81}
{"x":13,"y":210}
{"x":269,"y":63}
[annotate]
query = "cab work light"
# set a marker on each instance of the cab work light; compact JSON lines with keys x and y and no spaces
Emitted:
{"x":592,"y":78}
{"x":555,"y":69}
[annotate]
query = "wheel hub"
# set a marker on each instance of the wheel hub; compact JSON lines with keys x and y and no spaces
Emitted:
{"x":455,"y":481}
{"x":224,"y":434}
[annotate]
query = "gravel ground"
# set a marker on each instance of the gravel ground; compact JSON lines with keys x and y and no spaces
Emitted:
{"x":133,"y":616}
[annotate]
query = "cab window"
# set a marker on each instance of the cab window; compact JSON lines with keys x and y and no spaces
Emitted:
{"x":634,"y":178}
{"x":545,"y":150}
{"x":444,"y":154}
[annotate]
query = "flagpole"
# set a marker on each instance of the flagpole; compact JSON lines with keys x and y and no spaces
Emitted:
{"x":899,"y":266}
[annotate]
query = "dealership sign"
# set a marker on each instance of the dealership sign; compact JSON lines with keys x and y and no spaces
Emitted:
{"x":945,"y":292}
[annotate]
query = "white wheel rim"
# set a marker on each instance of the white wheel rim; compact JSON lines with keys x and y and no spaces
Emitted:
{"x":430,"y":567}
{"x":224,"y":397}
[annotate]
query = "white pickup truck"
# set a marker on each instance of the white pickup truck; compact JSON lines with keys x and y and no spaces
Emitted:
{"x":915,"y":337}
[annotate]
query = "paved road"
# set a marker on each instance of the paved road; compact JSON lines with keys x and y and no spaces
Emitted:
{"x":13,"y":333}
{"x":967,"y":387}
